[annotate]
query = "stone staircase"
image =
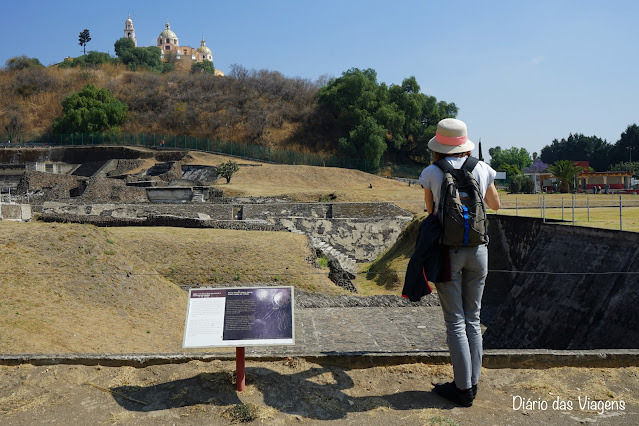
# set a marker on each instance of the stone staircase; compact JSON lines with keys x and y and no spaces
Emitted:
{"x":198,"y":195}
{"x":347,"y":263}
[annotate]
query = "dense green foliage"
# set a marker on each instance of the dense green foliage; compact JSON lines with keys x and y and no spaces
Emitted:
{"x":90,"y":110}
{"x":566,"y":171}
{"x":511,"y":160}
{"x":23,"y":62}
{"x":149,"y":58}
{"x":226,"y":170}
{"x":627,"y":167}
{"x":627,"y":144}
{"x":370,"y":118}
{"x":93,"y":59}
{"x":579,"y":148}
{"x":521,"y":184}
{"x":205,"y":67}
{"x":600,"y":154}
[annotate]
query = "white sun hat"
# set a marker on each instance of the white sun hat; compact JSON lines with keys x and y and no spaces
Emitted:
{"x":451,"y":137}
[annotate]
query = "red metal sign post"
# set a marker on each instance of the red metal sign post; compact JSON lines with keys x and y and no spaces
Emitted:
{"x":239,"y":369}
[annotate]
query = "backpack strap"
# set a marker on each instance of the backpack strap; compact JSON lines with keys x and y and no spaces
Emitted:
{"x":444,"y":166}
{"x":470,"y":164}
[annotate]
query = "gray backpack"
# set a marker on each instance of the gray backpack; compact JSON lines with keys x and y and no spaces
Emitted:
{"x":461,"y":206}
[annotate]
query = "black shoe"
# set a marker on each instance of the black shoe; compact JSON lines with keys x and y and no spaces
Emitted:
{"x":474,"y":388}
{"x":452,"y":393}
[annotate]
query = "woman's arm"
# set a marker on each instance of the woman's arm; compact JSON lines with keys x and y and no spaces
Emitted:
{"x":428,"y":199}
{"x":492,"y":197}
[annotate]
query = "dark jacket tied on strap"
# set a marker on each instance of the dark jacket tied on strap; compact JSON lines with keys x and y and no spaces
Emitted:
{"x":429,"y":262}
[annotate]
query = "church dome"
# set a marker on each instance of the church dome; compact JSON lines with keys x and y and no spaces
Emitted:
{"x":203,"y":49}
{"x":167,"y":33}
{"x":128,"y":21}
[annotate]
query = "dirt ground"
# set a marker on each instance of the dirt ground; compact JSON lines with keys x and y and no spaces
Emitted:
{"x":295,"y":391}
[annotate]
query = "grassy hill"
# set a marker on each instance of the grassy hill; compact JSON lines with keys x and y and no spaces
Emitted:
{"x":260,"y":107}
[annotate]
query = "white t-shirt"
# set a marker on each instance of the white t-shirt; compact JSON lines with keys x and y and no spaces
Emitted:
{"x":432,"y":177}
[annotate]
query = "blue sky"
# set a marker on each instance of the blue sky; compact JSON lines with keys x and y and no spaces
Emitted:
{"x":522,"y":73}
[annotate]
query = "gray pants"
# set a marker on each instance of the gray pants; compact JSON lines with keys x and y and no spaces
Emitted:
{"x":461,"y":303}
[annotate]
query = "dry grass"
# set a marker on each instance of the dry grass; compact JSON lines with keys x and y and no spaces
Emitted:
{"x":309,"y":183}
{"x":597,"y":211}
{"x":81,"y":289}
{"x":210,"y":257}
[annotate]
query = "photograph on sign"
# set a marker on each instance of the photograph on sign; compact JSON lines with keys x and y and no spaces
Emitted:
{"x":240,"y":316}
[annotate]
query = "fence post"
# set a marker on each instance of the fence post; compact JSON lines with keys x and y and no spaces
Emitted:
{"x":588,"y":207}
{"x":620,"y":215}
{"x":516,"y":207}
{"x":574,"y":198}
{"x":543,"y":208}
{"x":562,"y":208}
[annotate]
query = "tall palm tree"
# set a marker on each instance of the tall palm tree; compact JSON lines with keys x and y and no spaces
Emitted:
{"x":565,"y":171}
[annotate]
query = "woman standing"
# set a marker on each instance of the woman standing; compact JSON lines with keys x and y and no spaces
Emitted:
{"x":460,"y":298}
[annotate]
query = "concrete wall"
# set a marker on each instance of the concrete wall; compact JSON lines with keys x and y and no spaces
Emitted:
{"x":169,"y":194}
{"x":567,"y":293}
{"x":17,"y":212}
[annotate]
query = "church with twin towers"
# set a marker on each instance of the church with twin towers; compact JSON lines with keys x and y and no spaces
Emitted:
{"x":169,"y":45}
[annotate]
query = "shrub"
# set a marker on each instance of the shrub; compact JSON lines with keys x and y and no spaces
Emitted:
{"x":90,"y":110}
{"x":23,"y":62}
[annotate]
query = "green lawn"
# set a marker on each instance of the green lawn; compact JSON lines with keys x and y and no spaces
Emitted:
{"x":598,"y":211}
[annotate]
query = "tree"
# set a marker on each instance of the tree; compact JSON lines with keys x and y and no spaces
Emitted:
{"x":510,"y":169}
{"x":627,"y":167}
{"x":84,"y":38}
{"x":90,"y":110}
{"x":18,"y":63}
{"x":537,"y":166}
{"x":399,"y":120}
{"x":518,"y":157}
{"x":205,"y":67}
{"x":566,"y":171}
{"x":122,"y":45}
{"x":626,"y":146}
{"x":138,"y":57}
{"x":226,"y":170}
{"x":366,"y":140}
{"x":578,"y":147}
{"x":521,"y":183}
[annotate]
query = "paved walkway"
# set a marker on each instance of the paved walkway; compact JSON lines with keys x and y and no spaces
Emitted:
{"x":320,"y":331}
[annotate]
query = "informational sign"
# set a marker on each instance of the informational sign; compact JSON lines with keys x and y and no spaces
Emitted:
{"x":239,"y":316}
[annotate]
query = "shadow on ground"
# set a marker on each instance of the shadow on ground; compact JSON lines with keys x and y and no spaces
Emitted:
{"x":317,"y":393}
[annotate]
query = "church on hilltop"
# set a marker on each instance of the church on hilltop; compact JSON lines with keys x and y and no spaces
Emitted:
{"x":169,"y":45}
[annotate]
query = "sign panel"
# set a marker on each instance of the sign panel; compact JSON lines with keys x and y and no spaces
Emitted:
{"x":239,"y":316}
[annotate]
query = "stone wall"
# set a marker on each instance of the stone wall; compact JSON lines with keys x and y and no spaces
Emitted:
{"x":363,"y":239}
{"x":575,"y":289}
{"x":203,"y":211}
{"x":275,"y":210}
